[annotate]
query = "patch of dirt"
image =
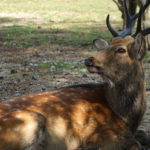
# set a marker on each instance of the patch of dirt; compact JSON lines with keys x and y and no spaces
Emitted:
{"x":20,"y":72}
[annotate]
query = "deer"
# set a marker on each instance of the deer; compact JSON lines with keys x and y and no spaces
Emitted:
{"x":87,"y":116}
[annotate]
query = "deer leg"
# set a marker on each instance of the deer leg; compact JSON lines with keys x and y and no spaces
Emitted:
{"x":132,"y":4}
{"x":143,"y":138}
{"x":134,"y":145}
{"x":132,"y":7}
{"x":22,"y":130}
{"x":146,"y":23}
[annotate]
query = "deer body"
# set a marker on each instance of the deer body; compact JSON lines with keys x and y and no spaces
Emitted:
{"x":81,"y":119}
{"x":98,"y":116}
{"x":69,"y":121}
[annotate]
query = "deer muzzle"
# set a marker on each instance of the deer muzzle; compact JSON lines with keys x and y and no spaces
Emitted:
{"x":89,"y":62}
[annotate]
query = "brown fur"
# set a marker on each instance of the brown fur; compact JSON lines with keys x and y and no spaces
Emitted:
{"x":80,"y":117}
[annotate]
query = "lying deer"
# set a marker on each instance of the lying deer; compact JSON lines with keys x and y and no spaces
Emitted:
{"x":100,"y":116}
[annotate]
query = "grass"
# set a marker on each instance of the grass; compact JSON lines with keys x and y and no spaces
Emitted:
{"x":60,"y":64}
{"x":15,"y":75}
{"x":36,"y":23}
{"x":54,"y":68}
{"x":147,"y":58}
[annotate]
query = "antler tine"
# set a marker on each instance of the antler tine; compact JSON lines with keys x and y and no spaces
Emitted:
{"x":138,"y":29}
{"x":113,"y":32}
{"x":129,"y":23}
{"x":129,"y":19}
{"x":126,"y":14}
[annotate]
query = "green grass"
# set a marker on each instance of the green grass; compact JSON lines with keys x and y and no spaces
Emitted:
{"x":147,"y":58}
{"x":60,"y":64}
{"x":36,"y":23}
{"x":19,"y":74}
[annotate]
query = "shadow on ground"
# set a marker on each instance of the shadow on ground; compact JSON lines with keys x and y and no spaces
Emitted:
{"x":41,"y":36}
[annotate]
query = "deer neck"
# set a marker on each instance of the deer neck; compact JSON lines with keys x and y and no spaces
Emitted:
{"x":127,"y":99}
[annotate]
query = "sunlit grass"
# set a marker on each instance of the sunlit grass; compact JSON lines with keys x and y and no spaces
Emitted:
{"x":147,"y":58}
{"x":36,"y":23}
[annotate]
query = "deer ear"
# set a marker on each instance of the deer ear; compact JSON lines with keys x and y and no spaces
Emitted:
{"x":100,"y":43}
{"x":140,"y":46}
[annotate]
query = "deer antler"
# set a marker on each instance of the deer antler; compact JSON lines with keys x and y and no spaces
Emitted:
{"x":113,"y":32}
{"x":139,"y":28}
{"x":130,"y":22}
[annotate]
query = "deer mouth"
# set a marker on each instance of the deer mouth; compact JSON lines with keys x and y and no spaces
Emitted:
{"x":91,"y":67}
{"x":106,"y":75}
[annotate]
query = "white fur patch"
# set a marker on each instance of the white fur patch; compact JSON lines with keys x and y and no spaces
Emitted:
{"x":60,"y":127}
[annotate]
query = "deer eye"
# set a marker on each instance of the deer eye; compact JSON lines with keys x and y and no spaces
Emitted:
{"x":121,"y":50}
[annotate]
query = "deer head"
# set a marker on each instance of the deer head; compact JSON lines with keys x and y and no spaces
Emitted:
{"x":118,"y":59}
{"x":121,"y":58}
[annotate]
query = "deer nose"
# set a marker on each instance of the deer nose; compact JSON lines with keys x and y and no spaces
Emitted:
{"x":89,"y":61}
